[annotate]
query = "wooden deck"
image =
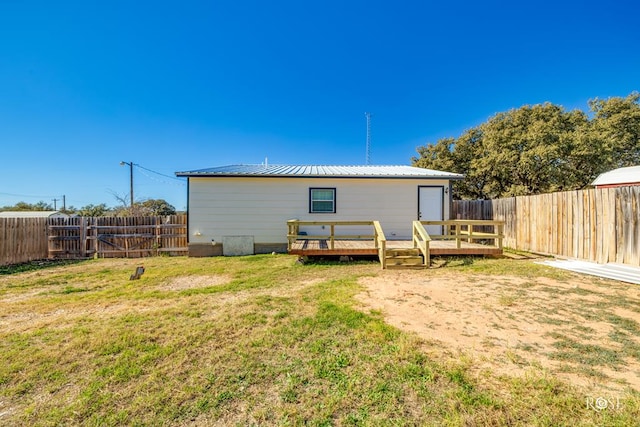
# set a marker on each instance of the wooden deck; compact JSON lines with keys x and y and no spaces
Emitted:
{"x":459,"y":238}
{"x":367,"y":247}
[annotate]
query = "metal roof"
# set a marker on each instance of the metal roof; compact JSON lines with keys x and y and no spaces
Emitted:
{"x":628,"y":175}
{"x":366,"y":171}
{"x":623,"y":273}
{"x":31,"y":214}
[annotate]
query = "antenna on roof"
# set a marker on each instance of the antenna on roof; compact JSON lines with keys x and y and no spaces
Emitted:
{"x":368,"y":158}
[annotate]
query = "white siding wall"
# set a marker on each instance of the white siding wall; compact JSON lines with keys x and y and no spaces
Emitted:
{"x":261,"y":206}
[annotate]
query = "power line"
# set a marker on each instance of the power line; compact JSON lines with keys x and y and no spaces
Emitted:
{"x":56,"y":198}
{"x":162,"y":180}
{"x":158,"y":173}
{"x":26,"y":195}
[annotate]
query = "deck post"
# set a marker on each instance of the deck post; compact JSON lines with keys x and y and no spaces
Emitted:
{"x":427,"y":257}
{"x":414,"y":235}
{"x":331,"y":238}
{"x":458,"y":237}
{"x":293,"y":229}
{"x":500,"y":234}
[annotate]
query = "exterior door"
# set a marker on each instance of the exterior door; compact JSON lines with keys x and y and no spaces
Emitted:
{"x":431,"y":206}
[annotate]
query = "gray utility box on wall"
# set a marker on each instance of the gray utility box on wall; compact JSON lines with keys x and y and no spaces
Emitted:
{"x":237,"y":245}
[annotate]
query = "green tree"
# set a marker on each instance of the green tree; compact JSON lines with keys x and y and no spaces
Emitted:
{"x":69,"y":210}
{"x":150,"y":207}
{"x":538,"y":149}
{"x":616,"y":126}
{"x":93,"y":210}
{"x":23,"y":206}
{"x":526,"y":150}
{"x":159,"y":207}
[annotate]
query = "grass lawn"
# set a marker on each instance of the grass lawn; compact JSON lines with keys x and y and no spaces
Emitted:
{"x":262,"y":340}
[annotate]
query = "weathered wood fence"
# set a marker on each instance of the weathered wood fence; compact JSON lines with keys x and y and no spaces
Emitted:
{"x":600,"y":225}
{"x":117,"y":237}
{"x":26,"y":239}
{"x":22,"y":240}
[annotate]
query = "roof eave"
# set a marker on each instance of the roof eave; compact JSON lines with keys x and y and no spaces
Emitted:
{"x":227,"y":175}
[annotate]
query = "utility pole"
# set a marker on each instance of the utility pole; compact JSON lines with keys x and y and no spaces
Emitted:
{"x":368,"y":116}
{"x":55,"y":207}
{"x":130,"y":179}
{"x":64,"y":202}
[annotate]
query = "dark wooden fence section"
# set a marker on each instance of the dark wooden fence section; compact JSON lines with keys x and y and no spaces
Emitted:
{"x":601,"y":225}
{"x":22,"y":240}
{"x":117,"y":237}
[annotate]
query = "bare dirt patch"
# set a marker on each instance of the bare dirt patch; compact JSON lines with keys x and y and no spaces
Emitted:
{"x":583,"y":330}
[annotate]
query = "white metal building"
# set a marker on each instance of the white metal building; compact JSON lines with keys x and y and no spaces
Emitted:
{"x":33,"y":214}
{"x":618,"y":177}
{"x":253,"y":202}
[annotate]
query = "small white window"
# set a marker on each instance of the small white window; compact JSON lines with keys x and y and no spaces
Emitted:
{"x":322,"y":200}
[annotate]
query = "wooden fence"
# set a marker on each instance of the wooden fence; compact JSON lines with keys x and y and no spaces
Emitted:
{"x":117,"y":237}
{"x":27,"y":239}
{"x":600,"y":225}
{"x":22,"y":240}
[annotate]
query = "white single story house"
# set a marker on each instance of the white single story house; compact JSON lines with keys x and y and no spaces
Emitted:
{"x":249,"y":205}
{"x":618,"y":177}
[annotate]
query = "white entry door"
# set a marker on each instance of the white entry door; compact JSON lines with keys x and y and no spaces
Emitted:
{"x":431,"y":207}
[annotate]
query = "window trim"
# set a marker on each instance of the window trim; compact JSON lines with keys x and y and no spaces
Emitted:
{"x":335,"y":196}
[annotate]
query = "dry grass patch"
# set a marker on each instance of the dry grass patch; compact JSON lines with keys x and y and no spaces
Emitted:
{"x":262,"y":340}
{"x":193,"y":282}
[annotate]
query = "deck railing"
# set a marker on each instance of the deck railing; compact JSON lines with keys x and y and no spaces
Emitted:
{"x":470,"y":231}
{"x":421,"y":241}
{"x":489,"y":233}
{"x":294,"y":234}
{"x":381,"y":244}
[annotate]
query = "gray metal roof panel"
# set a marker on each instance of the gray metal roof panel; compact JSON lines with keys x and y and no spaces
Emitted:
{"x":365,"y":171}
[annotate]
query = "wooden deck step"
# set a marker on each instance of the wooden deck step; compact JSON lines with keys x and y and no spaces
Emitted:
{"x":405,"y":267}
{"x":404,"y":258}
{"x":402,"y":252}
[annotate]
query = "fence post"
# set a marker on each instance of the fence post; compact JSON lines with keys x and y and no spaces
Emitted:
{"x":158,"y":234}
{"x":94,"y":240}
{"x":83,"y":237}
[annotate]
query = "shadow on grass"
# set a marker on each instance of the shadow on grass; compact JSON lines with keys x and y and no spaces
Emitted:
{"x":35,"y":265}
{"x":338,"y":260}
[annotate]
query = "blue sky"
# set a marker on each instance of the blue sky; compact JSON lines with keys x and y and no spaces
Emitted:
{"x":176,"y":86}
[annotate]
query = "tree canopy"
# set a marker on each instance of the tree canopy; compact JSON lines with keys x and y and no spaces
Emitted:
{"x":539,"y":149}
{"x":150,"y":207}
{"x":93,"y":210}
{"x":24,"y":206}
